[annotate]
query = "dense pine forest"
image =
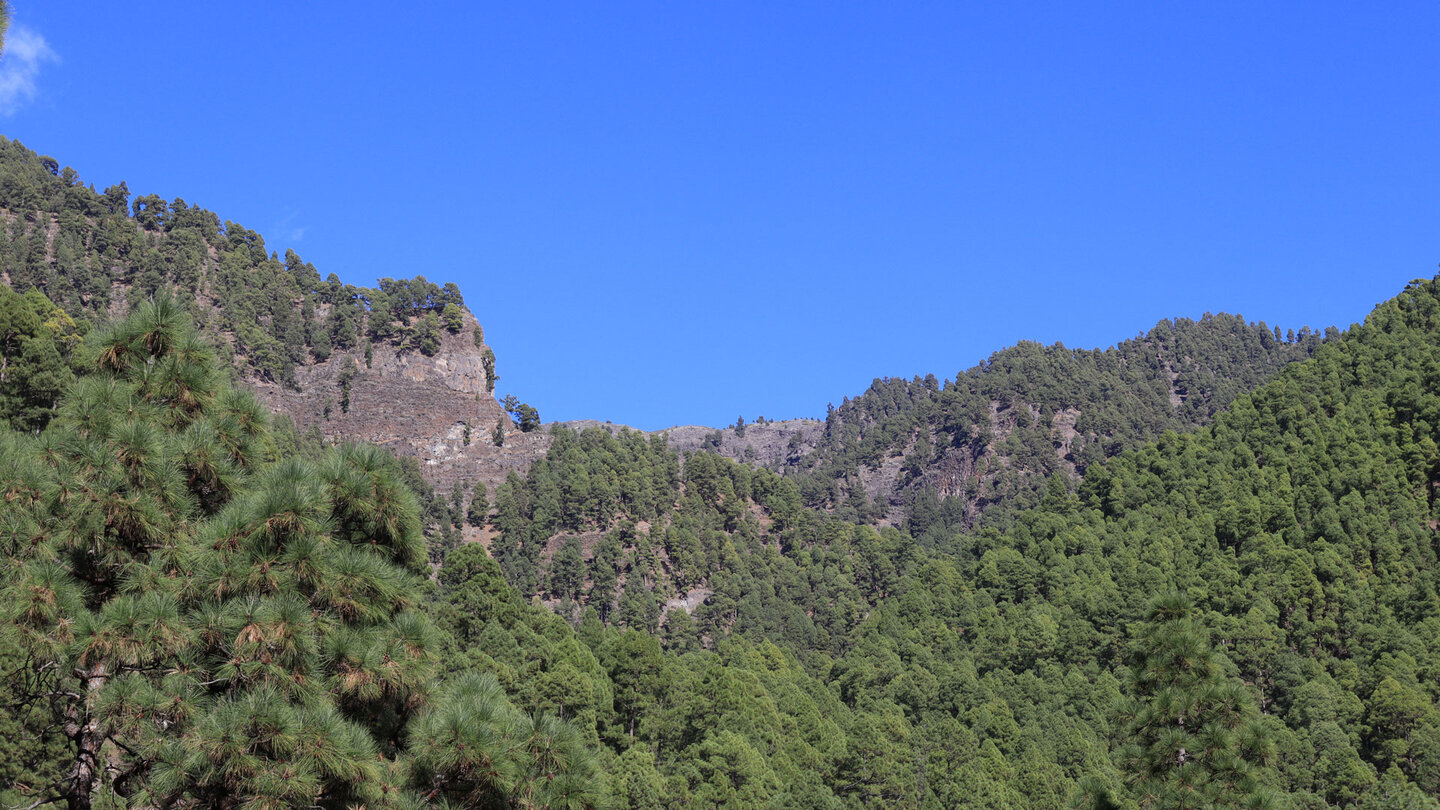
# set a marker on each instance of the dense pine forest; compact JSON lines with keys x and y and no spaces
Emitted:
{"x":991,"y":435}
{"x":97,"y":254}
{"x":1197,"y":569}
{"x":943,"y":453}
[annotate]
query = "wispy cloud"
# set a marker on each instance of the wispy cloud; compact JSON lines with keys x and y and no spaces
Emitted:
{"x":286,"y":230}
{"x":25,"y":51}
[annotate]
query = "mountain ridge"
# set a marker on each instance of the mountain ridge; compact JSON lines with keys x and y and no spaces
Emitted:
{"x":402,"y":365}
{"x":853,"y":633}
{"x":299,"y":341}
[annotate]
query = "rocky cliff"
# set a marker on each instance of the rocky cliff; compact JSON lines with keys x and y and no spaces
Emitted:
{"x":435,"y":408}
{"x":344,"y":360}
{"x":773,"y":445}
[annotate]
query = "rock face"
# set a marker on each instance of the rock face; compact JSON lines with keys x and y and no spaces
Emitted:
{"x":763,"y":444}
{"x":436,"y":409}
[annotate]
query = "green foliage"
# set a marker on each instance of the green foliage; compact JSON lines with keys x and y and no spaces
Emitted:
{"x":272,"y":315}
{"x":427,"y":334}
{"x":487,"y":359}
{"x":479,"y":506}
{"x":198,"y":627}
{"x":1194,"y":739}
{"x":1030,"y":412}
{"x":201,"y":626}
{"x":476,"y":747}
{"x":454,"y":318}
{"x":526,"y":417}
{"x":345,"y":379}
{"x":823,"y":664}
{"x":977,"y":666}
{"x":37,"y":358}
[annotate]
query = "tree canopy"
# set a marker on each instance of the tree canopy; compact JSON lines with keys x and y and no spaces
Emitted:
{"x":1196,"y":569}
{"x":196,"y":625}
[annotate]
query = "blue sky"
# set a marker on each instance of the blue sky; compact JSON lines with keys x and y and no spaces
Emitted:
{"x":681,"y":212}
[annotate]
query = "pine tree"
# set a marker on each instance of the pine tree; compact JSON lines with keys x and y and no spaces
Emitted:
{"x":206,"y":630}
{"x":37,"y":340}
{"x":427,"y":334}
{"x":479,"y":506}
{"x":1194,"y":739}
{"x":145,"y":442}
{"x":475,"y":748}
{"x":457,"y":505}
{"x":567,"y":570}
{"x":453,"y":317}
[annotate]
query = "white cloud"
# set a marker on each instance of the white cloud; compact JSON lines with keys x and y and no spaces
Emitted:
{"x":25,"y":51}
{"x":287,"y":231}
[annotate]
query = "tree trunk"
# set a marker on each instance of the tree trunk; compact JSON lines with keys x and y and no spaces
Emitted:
{"x":83,"y":728}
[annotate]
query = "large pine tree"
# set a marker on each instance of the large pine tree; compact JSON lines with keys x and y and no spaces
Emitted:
{"x":208,"y":630}
{"x":1193,"y":736}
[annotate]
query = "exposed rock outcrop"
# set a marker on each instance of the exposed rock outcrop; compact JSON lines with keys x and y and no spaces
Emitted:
{"x":763,"y":444}
{"x":434,"y":408}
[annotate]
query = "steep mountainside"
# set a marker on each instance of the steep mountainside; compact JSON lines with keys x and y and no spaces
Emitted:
{"x":947,"y":452}
{"x":435,"y":408}
{"x":715,"y":628}
{"x":402,"y":365}
{"x":979,"y":667}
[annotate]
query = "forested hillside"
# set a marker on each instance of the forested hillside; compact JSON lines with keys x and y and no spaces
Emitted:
{"x":943,"y":452}
{"x":403,"y":364}
{"x":994,"y":433}
{"x":96,"y":254}
{"x":980,"y":668}
{"x":1237,"y":604}
{"x":192,"y":622}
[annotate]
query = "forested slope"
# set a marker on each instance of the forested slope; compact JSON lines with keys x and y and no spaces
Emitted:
{"x":647,"y":629}
{"x":97,"y":254}
{"x":936,"y":451}
{"x":979,"y":668}
{"x":403,"y":364}
{"x":191,"y":622}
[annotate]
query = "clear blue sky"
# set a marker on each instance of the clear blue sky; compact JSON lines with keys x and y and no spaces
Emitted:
{"x":680,"y":212}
